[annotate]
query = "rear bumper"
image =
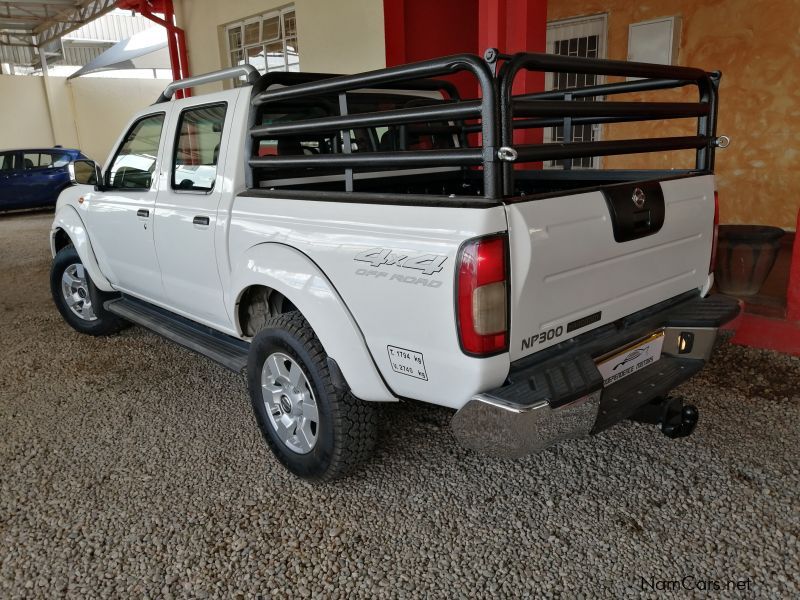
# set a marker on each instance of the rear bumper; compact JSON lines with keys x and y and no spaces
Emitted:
{"x":560,"y":395}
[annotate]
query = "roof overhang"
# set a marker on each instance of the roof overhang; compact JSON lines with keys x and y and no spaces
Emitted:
{"x":34,"y":23}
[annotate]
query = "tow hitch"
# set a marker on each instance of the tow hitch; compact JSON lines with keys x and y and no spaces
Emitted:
{"x":673,"y":417}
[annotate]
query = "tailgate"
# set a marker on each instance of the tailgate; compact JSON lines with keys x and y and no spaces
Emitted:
{"x":580,"y":261}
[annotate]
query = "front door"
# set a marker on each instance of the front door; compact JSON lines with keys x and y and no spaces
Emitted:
{"x":121,"y":215}
{"x":186,"y":212}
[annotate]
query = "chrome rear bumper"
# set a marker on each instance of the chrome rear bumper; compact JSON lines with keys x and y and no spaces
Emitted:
{"x":563,"y":396}
{"x":492,"y":426}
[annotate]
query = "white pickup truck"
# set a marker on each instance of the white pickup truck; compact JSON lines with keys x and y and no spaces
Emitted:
{"x":351,"y":240}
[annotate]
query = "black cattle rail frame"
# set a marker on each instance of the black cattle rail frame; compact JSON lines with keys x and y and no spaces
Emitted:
{"x":494,"y":116}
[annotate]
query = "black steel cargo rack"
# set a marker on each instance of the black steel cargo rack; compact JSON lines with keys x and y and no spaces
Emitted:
{"x":484,"y":125}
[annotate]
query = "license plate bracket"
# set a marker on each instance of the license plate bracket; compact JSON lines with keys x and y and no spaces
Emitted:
{"x":631,"y":358}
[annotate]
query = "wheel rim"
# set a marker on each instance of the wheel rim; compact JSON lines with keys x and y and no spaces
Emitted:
{"x":290,"y":403}
{"x":75,"y":289}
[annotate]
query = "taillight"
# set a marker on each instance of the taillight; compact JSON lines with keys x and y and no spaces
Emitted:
{"x":713,"y":264}
{"x":482,"y":296}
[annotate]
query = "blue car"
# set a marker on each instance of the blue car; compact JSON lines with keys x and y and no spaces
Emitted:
{"x":34,"y":178}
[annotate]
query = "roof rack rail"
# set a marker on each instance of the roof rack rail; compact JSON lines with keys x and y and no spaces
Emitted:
{"x":247,"y":71}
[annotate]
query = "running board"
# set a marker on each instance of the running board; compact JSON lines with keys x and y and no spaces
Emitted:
{"x":228,"y":351}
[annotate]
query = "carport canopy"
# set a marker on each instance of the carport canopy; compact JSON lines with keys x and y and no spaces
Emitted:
{"x":144,"y":50}
{"x":28,"y":24}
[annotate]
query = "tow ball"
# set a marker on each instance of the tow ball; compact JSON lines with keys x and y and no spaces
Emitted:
{"x":674,"y":418}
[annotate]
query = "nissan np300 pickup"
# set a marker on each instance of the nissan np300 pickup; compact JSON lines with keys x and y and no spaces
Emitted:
{"x":352,"y":240}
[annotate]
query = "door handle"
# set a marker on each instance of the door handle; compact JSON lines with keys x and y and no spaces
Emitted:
{"x":142,"y":212}
{"x":200,"y":220}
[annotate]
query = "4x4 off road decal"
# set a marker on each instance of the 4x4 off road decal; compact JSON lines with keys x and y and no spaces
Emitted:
{"x":428,"y":264}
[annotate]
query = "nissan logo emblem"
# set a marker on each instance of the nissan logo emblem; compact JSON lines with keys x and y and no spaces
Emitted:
{"x":638,"y":198}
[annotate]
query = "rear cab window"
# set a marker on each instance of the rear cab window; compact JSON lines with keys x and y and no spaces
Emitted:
{"x":197,"y":147}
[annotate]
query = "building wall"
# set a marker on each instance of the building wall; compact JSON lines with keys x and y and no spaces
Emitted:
{"x":87,"y":113}
{"x":102,"y":108}
{"x":757,"y":47}
{"x":24,"y":120}
{"x":343,"y":36}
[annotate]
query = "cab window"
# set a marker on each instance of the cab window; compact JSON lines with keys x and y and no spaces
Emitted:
{"x":135,"y":160}
{"x":197,"y":148}
{"x":36,"y":160}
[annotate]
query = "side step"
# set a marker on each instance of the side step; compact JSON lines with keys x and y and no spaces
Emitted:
{"x":228,"y":351}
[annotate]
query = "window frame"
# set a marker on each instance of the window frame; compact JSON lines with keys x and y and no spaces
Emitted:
{"x":53,"y":154}
{"x":568,"y":27}
{"x":16,"y":160}
{"x":107,"y":175}
{"x":282,"y":38}
{"x":175,"y":142}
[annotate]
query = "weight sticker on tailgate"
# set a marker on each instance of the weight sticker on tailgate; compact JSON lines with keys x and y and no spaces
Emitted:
{"x":629,"y":360}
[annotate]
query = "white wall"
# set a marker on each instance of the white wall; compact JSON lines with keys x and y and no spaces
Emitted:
{"x":86,"y":113}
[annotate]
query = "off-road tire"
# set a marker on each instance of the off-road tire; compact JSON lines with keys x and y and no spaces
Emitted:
{"x":105,"y":322}
{"x":347,"y":426}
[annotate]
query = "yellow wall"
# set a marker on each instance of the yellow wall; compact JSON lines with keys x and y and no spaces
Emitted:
{"x":87,"y":113}
{"x":335,"y":36}
{"x":756,"y":45}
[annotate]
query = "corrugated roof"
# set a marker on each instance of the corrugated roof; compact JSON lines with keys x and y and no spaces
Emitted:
{"x":25,"y":24}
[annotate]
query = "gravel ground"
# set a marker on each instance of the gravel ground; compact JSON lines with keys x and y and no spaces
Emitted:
{"x":132,"y":467}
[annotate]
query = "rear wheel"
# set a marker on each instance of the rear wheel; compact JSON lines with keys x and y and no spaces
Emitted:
{"x":316,"y":431}
{"x":78,"y":299}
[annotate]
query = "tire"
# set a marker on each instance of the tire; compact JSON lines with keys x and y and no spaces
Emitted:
{"x":85,"y":313}
{"x":287,"y":402}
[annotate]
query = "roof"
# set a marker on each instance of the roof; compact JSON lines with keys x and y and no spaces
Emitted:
{"x":30,"y":23}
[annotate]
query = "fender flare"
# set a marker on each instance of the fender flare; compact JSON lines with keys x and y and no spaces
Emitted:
{"x":293,"y":274}
{"x":68,"y":220}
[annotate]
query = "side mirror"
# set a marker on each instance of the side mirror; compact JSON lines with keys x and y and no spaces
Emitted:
{"x":84,"y":172}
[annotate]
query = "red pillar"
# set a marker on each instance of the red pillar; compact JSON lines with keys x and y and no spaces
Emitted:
{"x":420,"y":29}
{"x":517,"y":26}
{"x":176,"y":39}
{"x":492,"y":25}
{"x":394,"y":25}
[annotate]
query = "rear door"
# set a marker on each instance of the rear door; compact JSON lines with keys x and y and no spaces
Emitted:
{"x":11,"y":188}
{"x":582,"y":260}
{"x":45,"y":175}
{"x":186,"y":213}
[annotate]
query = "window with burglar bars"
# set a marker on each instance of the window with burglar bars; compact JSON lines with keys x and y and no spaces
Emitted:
{"x":583,"y":37}
{"x":268,"y":42}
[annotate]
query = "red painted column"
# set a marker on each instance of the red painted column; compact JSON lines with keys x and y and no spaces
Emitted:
{"x":394,"y":25}
{"x":516,"y":26}
{"x":420,"y":29}
{"x":492,"y":25}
